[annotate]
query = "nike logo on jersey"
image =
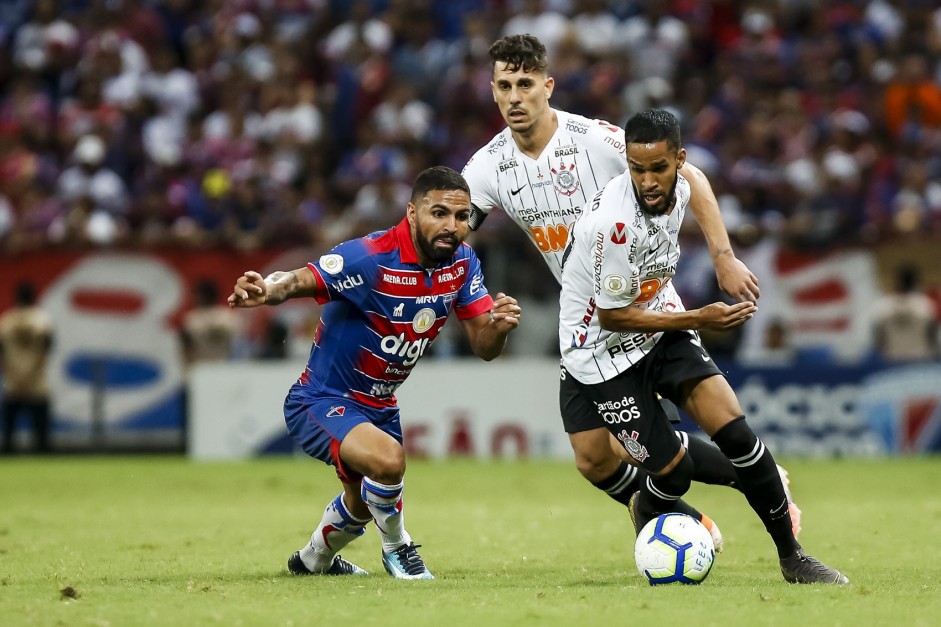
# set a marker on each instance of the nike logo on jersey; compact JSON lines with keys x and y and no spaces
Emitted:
{"x":514,"y":192}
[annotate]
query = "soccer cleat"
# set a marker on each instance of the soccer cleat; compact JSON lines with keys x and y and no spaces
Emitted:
{"x":339,"y":566}
{"x":636,"y":518}
{"x":792,"y":507}
{"x":802,"y":568}
{"x":717,"y":541}
{"x":405,"y":563}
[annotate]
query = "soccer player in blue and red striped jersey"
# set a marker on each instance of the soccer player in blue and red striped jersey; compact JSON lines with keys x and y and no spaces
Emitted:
{"x":386,"y":297}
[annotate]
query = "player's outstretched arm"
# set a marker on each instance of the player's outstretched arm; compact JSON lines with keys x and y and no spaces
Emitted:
{"x":252,"y":290}
{"x":717,"y":316}
{"x":487,"y":332}
{"x":734,"y":277}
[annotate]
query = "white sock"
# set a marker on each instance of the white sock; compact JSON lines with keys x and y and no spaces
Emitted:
{"x":337,"y":528}
{"x":385,"y":504}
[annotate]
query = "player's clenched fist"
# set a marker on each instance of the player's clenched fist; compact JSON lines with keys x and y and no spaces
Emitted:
{"x":249,"y":291}
{"x":506,"y":312}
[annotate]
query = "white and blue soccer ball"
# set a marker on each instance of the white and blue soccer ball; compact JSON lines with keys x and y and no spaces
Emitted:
{"x":674,"y":548}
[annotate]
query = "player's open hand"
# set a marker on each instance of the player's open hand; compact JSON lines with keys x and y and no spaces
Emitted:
{"x":249,"y":291}
{"x":720,"y":316}
{"x":506,"y":313}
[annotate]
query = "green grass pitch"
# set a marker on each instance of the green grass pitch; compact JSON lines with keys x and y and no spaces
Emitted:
{"x":164,"y":541}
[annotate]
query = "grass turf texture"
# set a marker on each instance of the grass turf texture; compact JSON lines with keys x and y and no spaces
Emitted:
{"x":161,"y":541}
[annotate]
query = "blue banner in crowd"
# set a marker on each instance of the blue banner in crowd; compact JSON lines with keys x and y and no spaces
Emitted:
{"x":816,"y":411}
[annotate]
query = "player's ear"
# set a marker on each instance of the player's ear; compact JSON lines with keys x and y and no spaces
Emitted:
{"x":411,"y":213}
{"x":550,"y":86}
{"x":680,"y":158}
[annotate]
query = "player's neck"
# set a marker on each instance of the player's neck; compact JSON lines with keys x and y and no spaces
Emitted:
{"x":534,"y":141}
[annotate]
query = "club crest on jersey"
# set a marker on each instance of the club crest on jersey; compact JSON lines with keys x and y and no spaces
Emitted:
{"x":424,"y":320}
{"x":634,"y":448}
{"x":619,"y":233}
{"x":615,"y":284}
{"x":331,"y":264}
{"x":336,"y":410}
{"x":398,"y":310}
{"x":564,"y":178}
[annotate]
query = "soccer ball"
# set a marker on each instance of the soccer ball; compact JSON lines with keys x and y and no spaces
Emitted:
{"x":674,"y":548}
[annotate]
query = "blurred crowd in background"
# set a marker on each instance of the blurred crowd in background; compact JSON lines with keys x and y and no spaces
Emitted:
{"x":270,"y":123}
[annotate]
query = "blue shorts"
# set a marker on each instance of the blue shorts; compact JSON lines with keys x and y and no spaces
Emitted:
{"x":320,"y":423}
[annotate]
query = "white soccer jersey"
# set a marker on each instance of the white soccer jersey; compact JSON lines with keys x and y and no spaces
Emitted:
{"x":545,"y":195}
{"x":619,"y":257}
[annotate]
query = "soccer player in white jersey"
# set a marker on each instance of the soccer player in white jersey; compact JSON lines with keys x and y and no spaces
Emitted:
{"x":541,"y":170}
{"x":625,"y":337}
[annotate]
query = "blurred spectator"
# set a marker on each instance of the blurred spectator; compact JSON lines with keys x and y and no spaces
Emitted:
{"x":536,"y":18}
{"x":775,"y":351}
{"x":210,"y":327}
{"x":359,"y":28}
{"x":26,"y":334}
{"x":275,"y":340}
{"x":42,"y":44}
{"x":913,"y":99}
{"x":95,"y":191}
{"x":906,"y":326}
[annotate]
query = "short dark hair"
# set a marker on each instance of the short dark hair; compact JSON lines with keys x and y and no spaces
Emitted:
{"x":438,"y":177}
{"x":520,"y":51}
{"x":651,"y":126}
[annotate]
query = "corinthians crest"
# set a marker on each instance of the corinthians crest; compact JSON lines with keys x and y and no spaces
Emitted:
{"x":564,"y":179}
{"x":636,"y":450}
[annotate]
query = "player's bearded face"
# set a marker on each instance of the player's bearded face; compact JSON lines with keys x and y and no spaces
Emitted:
{"x":523,"y":96}
{"x":439,"y":224}
{"x":653,"y":169}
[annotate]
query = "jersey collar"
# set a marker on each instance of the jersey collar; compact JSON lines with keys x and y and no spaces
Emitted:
{"x":403,"y":236}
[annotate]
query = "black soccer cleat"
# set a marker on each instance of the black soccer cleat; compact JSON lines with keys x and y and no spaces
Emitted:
{"x":339,"y":566}
{"x":802,"y":568}
{"x":637,"y":517}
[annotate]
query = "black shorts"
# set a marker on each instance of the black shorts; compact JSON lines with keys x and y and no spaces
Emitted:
{"x":628,"y":405}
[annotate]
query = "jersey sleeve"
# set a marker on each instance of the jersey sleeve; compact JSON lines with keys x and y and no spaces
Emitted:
{"x":345,"y":272}
{"x":615,"y":266}
{"x":473,"y":298}
{"x":605,"y":142}
{"x":484,"y":194}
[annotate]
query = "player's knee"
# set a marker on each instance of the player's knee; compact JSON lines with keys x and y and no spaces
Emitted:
{"x":389,"y":466}
{"x":735,"y":438}
{"x":596,"y":464}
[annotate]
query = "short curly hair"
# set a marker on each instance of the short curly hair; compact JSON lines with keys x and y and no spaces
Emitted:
{"x":524,"y":52}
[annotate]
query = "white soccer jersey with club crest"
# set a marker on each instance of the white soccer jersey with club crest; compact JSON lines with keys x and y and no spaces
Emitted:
{"x":619,"y":257}
{"x":545,"y":195}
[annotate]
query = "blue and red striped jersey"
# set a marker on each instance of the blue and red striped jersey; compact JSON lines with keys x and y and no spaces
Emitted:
{"x":381,"y":312}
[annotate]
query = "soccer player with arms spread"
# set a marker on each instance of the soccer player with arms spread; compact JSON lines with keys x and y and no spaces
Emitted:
{"x":625,"y":337}
{"x":541,"y":170}
{"x":386,"y":297}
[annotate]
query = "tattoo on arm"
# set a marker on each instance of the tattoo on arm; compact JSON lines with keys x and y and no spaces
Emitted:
{"x":281,"y":286}
{"x":722,"y":251}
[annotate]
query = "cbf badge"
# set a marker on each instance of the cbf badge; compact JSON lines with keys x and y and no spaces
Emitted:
{"x":615,"y":284}
{"x":424,"y":320}
{"x":331,"y":264}
{"x":564,"y":178}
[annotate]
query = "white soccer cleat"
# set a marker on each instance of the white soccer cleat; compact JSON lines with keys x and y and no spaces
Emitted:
{"x":792,"y":507}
